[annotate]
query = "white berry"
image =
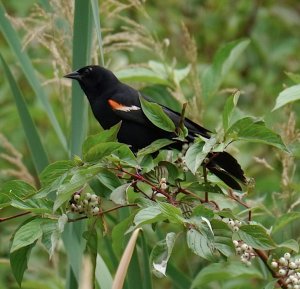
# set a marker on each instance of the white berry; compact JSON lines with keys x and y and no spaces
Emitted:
{"x":287,"y":256}
{"x":282,"y":272}
{"x":235,"y":243}
{"x":244,"y":247}
{"x":274,"y":264}
{"x":292,"y":265}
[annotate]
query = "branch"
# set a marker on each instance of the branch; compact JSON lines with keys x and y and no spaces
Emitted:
{"x":14,"y":216}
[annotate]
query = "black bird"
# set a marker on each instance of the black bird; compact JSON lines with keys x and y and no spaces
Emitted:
{"x":113,"y":101}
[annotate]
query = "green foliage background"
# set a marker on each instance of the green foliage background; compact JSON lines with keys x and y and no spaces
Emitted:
{"x":158,"y":35}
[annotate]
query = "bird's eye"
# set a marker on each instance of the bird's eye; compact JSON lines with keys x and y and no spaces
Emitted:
{"x":88,"y":70}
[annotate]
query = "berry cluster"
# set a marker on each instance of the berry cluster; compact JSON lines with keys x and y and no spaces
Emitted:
{"x":288,"y":269}
{"x":234,"y":225}
{"x":247,"y":253}
{"x":87,"y":204}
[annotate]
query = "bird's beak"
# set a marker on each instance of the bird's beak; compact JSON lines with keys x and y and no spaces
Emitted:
{"x":73,"y":75}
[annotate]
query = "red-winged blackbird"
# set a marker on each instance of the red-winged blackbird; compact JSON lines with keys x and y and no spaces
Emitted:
{"x":113,"y":101}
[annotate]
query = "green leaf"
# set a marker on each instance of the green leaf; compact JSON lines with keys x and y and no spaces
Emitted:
{"x":200,"y":244}
{"x":222,"y":63}
{"x":290,"y":245}
{"x":154,"y":146}
{"x":118,"y":195}
{"x":109,"y":135}
{"x":55,"y":170}
{"x":255,"y":131}
{"x":202,"y":211}
{"x":148,"y":216}
{"x":141,"y":74}
{"x":23,"y":59}
{"x":19,"y":260}
{"x":198,"y":187}
{"x":172,"y":213}
{"x":222,"y":237}
{"x":78,"y":180}
{"x":224,"y":271}
{"x":16,"y":189}
{"x":287,"y":96}
{"x":229,"y":107}
{"x":37,"y":206}
{"x":161,"y":253}
{"x":284,"y":220}
{"x":101,"y":150}
{"x":27,"y":234}
{"x":256,"y":236}
{"x":156,"y":115}
{"x":37,"y":150}
{"x":195,"y":156}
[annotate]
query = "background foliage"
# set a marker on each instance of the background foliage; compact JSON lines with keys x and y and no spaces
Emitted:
{"x":200,"y":51}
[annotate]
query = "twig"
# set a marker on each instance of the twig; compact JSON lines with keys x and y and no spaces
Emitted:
{"x":14,"y":217}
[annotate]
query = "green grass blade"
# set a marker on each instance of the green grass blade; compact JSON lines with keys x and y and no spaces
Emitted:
{"x":13,"y":40}
{"x":37,"y":150}
{"x":82,"y":33}
{"x":96,"y":16}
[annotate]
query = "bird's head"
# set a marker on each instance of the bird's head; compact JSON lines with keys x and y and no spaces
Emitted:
{"x":93,"y":79}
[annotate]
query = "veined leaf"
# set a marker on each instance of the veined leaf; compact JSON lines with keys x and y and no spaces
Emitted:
{"x":27,"y":234}
{"x":161,"y":253}
{"x":224,"y":271}
{"x":109,"y":135}
{"x":256,"y":236}
{"x":255,"y":131}
{"x":287,"y":96}
{"x":222,"y":63}
{"x":195,"y":156}
{"x":18,"y":261}
{"x":154,"y":146}
{"x":156,"y":115}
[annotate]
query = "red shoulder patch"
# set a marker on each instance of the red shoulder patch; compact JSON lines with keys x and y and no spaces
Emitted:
{"x":118,"y":106}
{"x":115,"y":105}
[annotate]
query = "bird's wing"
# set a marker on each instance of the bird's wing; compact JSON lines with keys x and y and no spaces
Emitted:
{"x":127,"y":106}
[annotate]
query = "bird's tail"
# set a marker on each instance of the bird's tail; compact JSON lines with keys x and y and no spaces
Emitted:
{"x":226,"y":167}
